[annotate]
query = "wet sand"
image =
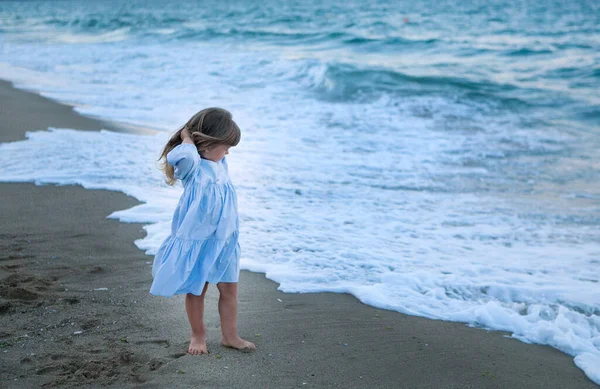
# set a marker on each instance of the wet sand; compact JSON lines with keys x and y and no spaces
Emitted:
{"x":75,"y":309}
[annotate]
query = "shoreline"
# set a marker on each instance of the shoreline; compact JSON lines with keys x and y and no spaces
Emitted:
{"x":42,"y":112}
{"x":60,"y":251}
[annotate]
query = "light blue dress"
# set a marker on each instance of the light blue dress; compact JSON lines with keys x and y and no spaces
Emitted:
{"x":203,"y":244}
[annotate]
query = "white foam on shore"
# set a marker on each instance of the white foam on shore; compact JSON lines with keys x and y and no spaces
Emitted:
{"x":312,"y":237}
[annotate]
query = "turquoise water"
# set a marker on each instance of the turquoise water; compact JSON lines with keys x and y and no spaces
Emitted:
{"x":533,"y":64}
{"x":434,"y":158}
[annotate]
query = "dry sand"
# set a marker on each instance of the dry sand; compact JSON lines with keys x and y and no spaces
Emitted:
{"x":61,"y":328}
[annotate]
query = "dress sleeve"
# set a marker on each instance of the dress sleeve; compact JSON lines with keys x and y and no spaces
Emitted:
{"x":184,"y":158}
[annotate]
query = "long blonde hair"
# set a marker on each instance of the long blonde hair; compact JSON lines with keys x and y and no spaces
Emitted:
{"x":208,"y":128}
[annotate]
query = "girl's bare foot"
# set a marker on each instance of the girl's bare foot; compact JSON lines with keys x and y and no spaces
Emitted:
{"x":197,"y":345}
{"x":239,"y":343}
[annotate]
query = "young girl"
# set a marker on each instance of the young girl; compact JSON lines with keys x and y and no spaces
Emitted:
{"x":203,"y":246}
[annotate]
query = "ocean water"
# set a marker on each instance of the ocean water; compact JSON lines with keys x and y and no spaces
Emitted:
{"x":439,"y":159}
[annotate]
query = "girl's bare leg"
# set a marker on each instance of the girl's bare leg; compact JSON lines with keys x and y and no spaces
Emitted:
{"x":228,"y":303}
{"x":194,"y":306}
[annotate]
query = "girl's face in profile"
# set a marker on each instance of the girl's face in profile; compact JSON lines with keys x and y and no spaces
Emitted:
{"x":216,"y":153}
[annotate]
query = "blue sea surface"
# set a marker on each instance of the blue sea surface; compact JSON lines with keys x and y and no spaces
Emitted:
{"x":437,"y":158}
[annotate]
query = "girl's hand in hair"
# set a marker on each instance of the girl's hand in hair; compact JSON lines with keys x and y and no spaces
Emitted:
{"x":185,"y":136}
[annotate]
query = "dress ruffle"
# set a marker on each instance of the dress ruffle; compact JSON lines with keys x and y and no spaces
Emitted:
{"x":184,"y":266}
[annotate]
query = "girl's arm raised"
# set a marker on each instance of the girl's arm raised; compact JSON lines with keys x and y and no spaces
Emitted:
{"x":185,"y":136}
{"x":184,"y":158}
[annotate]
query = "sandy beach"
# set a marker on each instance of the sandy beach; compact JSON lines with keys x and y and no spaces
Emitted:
{"x":76,"y":311}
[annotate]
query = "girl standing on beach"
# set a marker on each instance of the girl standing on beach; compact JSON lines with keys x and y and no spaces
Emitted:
{"x":203,"y":245}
